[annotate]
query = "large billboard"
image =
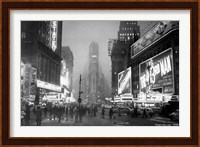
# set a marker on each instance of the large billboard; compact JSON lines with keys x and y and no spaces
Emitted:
{"x":156,"y":74}
{"x":64,"y":77}
{"x":124,"y":82}
{"x":27,"y":80}
{"x":33,"y":81}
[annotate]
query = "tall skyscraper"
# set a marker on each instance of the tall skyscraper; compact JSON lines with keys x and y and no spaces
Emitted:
{"x":128,"y":30}
{"x":93,"y":70}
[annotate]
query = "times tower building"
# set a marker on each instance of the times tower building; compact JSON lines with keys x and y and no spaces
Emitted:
{"x":93,"y":71}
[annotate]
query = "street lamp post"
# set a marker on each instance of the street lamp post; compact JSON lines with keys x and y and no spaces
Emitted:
{"x":79,"y":100}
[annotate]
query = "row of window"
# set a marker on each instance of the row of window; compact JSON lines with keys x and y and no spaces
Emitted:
{"x":128,"y":28}
{"x":131,"y":23}
{"x":124,"y":38}
{"x":126,"y":34}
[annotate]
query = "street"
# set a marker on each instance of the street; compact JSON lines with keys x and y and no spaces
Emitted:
{"x":122,"y":120}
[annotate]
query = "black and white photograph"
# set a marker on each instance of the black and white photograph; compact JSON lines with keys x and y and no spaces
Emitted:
{"x":99,"y":73}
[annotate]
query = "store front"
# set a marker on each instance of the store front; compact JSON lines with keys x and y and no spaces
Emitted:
{"x":47,"y":92}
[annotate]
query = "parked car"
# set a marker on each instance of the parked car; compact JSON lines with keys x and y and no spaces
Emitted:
{"x":174,"y":115}
{"x":156,"y":110}
{"x":122,"y":111}
{"x":149,"y":111}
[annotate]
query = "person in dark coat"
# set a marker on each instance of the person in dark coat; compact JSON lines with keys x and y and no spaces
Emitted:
{"x":27,"y":115}
{"x":119,"y":111}
{"x":95,"y":110}
{"x":50,"y":112}
{"x":144,"y":113}
{"x":66,"y":113}
{"x":71,"y":111}
{"x":111,"y":112}
{"x":45,"y":111}
{"x":59,"y":113}
{"x":38,"y":116}
{"x":103,"y":112}
{"x":76,"y":113}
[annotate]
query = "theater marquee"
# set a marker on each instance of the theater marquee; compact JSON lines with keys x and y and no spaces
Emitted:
{"x":156,"y":74}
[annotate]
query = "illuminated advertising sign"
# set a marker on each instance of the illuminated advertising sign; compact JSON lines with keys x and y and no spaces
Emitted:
{"x":124,"y":82}
{"x":33,"y":81}
{"x":27,"y":80}
{"x":156,"y":74}
{"x":48,"y":34}
{"x":154,"y":34}
{"x":45,"y":85}
{"x":64,"y":78}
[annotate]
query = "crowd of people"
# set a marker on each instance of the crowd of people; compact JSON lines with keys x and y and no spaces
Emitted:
{"x":57,"y":112}
{"x":73,"y":112}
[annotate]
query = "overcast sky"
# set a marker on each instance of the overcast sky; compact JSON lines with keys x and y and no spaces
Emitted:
{"x":79,"y":34}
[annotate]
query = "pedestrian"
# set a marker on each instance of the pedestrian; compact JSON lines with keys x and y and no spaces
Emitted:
{"x":119,"y":112}
{"x":95,"y":110}
{"x":80,"y":112}
{"x":59,"y":113}
{"x":71,"y":112}
{"x":66,"y":113}
{"x":135,"y":112}
{"x":38,"y":116}
{"x":144,"y":113}
{"x":111,"y":112}
{"x":54,"y":112}
{"x":76,"y":114}
{"x":27,"y":115}
{"x":45,"y":111}
{"x":103,"y":112}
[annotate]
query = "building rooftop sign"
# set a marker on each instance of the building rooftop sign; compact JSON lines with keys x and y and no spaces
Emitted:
{"x":157,"y":32}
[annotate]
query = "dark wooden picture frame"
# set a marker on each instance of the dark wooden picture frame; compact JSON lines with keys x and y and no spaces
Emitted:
{"x":7,"y":6}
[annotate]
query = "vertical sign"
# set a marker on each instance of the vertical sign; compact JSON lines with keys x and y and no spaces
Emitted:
{"x":54,"y":36}
{"x":26,"y":86}
{"x":33,"y":81}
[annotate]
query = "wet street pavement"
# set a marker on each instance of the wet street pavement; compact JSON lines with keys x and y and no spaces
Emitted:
{"x":123,"y":120}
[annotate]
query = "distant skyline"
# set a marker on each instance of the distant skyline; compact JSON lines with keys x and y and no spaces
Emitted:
{"x":79,"y":34}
